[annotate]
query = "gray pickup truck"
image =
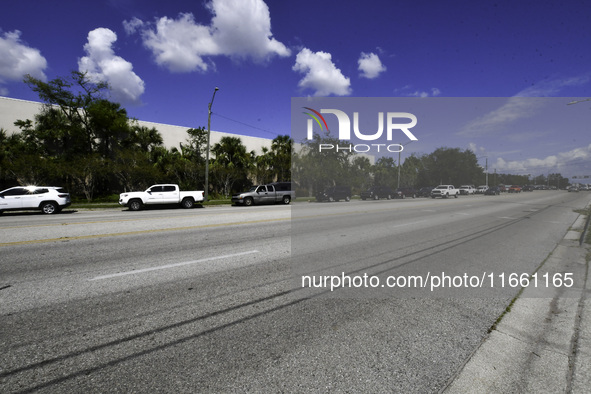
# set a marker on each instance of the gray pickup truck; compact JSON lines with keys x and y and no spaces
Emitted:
{"x":279,"y":192}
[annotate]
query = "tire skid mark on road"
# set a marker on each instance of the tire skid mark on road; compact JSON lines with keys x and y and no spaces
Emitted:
{"x":115,"y":359}
{"x":431,"y":250}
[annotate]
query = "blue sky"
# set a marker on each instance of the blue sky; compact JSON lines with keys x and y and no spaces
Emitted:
{"x":164,"y":59}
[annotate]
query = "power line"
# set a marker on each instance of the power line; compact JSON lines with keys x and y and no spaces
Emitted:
{"x":245,"y":124}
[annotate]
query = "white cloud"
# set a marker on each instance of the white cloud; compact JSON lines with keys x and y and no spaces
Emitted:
{"x":102,"y":64}
{"x":18,"y":59}
{"x":519,"y":106}
{"x":434,"y":92}
{"x":478,"y":150}
{"x":515,"y":108}
{"x":563,"y":161}
{"x":238,"y":29}
{"x":133,"y":25}
{"x":322,"y":75}
{"x":370,"y":65}
{"x":552,"y":87}
{"x":404,"y":91}
{"x":243,"y":28}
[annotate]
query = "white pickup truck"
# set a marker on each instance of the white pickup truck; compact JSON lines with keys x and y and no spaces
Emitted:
{"x":445,"y":191}
{"x":160,"y":195}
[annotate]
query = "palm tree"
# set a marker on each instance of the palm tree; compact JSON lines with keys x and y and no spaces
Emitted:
{"x":231,"y":164}
{"x":281,"y":149}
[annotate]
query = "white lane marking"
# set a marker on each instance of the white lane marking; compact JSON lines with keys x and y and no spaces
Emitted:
{"x":429,"y":210}
{"x":463,"y":213}
{"x":507,"y":217}
{"x":162,"y":267}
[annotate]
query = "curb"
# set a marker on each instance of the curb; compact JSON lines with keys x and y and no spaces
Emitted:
{"x":544,"y":343}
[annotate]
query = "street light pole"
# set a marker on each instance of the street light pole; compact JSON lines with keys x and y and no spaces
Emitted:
{"x":207,"y":150}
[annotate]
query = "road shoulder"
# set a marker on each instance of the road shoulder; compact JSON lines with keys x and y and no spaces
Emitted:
{"x":543,"y":342}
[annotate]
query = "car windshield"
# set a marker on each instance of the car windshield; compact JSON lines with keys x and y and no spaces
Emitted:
{"x":253,"y":189}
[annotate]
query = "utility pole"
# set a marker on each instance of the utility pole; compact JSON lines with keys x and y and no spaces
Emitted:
{"x":207,"y":150}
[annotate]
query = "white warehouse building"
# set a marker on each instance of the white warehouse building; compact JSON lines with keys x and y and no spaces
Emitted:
{"x":12,"y":110}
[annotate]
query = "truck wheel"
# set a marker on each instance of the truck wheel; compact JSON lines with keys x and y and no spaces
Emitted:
{"x":331,"y":199}
{"x":414,"y":196}
{"x":347,"y":198}
{"x":286,"y":200}
{"x":455,"y":196}
{"x":389,"y":197}
{"x":187,"y":203}
{"x":248,"y":201}
{"x":135,"y":205}
{"x":49,"y":207}
{"x":403,"y":196}
{"x":376,"y":197}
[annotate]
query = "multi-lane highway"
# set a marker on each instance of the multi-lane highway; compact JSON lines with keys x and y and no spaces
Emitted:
{"x":210,"y":299}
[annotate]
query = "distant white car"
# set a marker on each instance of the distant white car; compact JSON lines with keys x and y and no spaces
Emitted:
{"x":467,"y":189}
{"x":47,"y":199}
{"x":481,"y":189}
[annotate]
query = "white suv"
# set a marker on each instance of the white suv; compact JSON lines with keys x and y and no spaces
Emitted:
{"x":48,"y":199}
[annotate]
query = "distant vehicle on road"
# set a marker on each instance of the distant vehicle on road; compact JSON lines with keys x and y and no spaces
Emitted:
{"x":377,"y":192}
{"x":334,"y":193}
{"x":403,"y":192}
{"x":481,"y":189}
{"x":266,"y":194}
{"x":493,"y":191}
{"x":424,"y":192}
{"x":160,"y":195}
{"x":573,"y":188}
{"x":514,"y":189}
{"x":445,"y":191}
{"x":47,"y":199}
{"x":527,"y":188}
{"x":467,"y":189}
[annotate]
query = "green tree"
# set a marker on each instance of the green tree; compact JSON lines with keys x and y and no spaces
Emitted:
{"x":281,"y":152}
{"x":85,"y":140}
{"x":449,"y":166}
{"x":409,"y":171}
{"x":72,"y":97}
{"x":385,"y":172}
{"x":315,"y":170}
{"x":264,"y":171}
{"x":231,"y":166}
{"x":360,"y":173}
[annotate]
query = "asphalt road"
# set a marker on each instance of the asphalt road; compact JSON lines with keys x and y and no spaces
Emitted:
{"x":210,"y":299}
